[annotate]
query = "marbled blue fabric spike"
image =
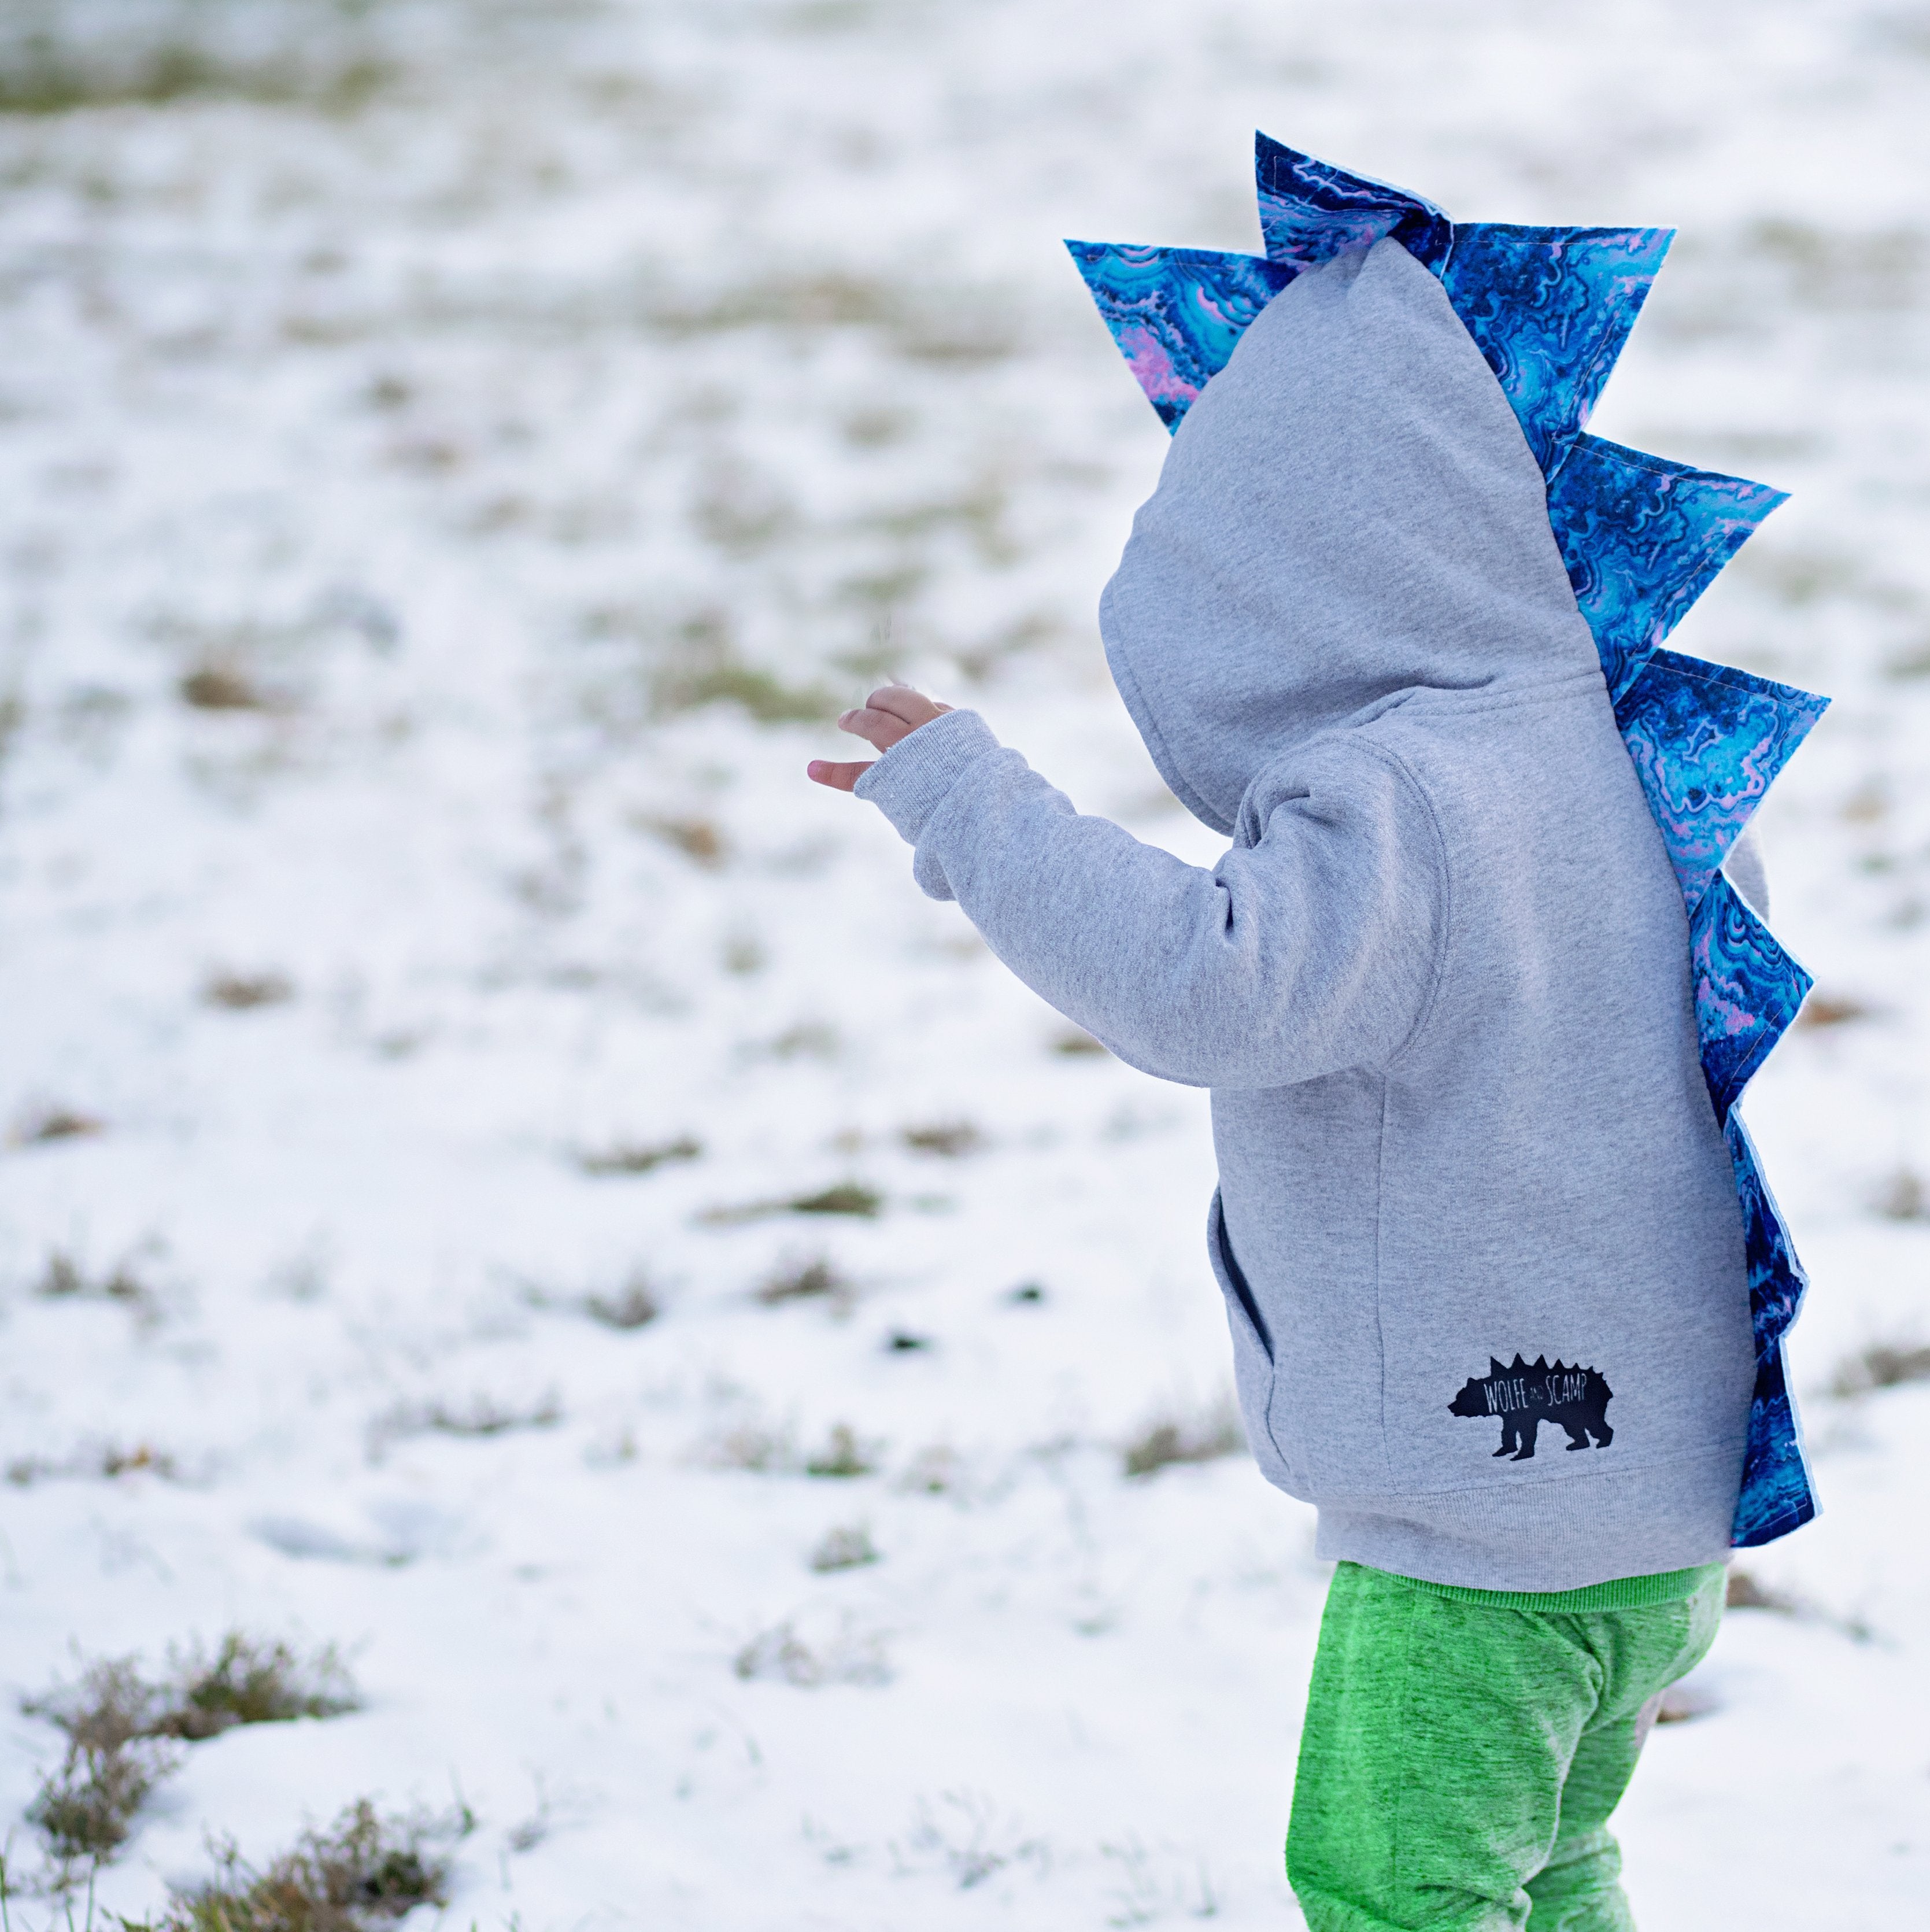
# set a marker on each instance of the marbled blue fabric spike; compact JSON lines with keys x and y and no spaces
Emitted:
{"x":1642,"y":538}
{"x":1550,"y":309}
{"x":1747,"y":990}
{"x":1777,"y":1496}
{"x":1176,"y":313}
{"x":1311,"y":211}
{"x":1708,"y":742}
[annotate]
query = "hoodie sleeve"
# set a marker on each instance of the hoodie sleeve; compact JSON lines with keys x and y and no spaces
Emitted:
{"x":1312,"y":947}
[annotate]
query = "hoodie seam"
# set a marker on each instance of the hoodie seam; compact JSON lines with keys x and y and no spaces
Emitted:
{"x":1555,"y":690}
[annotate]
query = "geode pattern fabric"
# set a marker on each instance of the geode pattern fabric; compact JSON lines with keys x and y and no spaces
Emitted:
{"x":1642,"y":538}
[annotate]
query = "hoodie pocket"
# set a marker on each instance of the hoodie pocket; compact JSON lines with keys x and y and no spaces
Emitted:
{"x":1253,"y":1350}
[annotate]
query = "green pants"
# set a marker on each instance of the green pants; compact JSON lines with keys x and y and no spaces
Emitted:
{"x":1461,"y":1756}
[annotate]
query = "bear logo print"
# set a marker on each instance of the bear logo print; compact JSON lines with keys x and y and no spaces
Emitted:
{"x":1526,"y":1394}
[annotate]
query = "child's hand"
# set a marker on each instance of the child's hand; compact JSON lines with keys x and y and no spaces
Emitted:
{"x":895,"y":711}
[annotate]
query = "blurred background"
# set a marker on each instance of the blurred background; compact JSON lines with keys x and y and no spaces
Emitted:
{"x":572,"y":1352}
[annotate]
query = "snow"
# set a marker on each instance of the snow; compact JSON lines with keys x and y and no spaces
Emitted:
{"x":605,"y":347}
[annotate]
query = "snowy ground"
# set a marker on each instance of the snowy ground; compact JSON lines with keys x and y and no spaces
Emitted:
{"x":482,"y":394}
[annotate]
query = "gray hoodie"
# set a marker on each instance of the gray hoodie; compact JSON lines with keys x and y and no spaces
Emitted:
{"x":1476,"y":1227}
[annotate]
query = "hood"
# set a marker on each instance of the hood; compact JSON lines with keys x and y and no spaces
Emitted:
{"x":1349,"y":513}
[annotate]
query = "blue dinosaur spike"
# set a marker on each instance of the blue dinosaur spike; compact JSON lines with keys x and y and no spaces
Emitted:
{"x":1777,"y":1496}
{"x":1176,"y":313}
{"x":1311,"y":211}
{"x":1747,"y":990}
{"x":1708,"y":742}
{"x":1550,"y":308}
{"x":1642,"y":538}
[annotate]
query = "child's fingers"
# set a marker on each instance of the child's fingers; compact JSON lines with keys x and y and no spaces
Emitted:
{"x":901,"y":701}
{"x":881,"y":728}
{"x":839,"y":778}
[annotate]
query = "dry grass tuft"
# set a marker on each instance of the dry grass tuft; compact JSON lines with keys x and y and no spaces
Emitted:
{"x":242,"y":992}
{"x":47,"y":1124}
{"x":1882,"y":1365}
{"x":1903,"y":1197}
{"x":848,"y":1657}
{"x":1170,"y":1439}
{"x":364,"y":1871}
{"x":1830,"y":1009}
{"x":844,"y":1197}
{"x":632,"y":1307}
{"x":85,"y":1811}
{"x":101,"y":1460}
{"x":122,"y":1725}
{"x":63,"y":1280}
{"x":728,"y":682}
{"x":222,"y":687}
{"x":951,"y":1138}
{"x":1074,"y":1044}
{"x":482,"y":1416}
{"x":842,"y":1455}
{"x":1743,"y":1592}
{"x":631,"y":1157}
{"x":849,"y":1547}
{"x":815,"y":1281}
{"x":698,"y":839}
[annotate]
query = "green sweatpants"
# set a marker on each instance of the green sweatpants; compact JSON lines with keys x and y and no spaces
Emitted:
{"x":1461,"y":1754}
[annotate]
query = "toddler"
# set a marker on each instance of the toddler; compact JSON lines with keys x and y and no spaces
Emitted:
{"x":1476,"y":1227}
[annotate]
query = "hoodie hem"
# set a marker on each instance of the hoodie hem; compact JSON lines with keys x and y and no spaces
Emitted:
{"x":1558,"y":1535}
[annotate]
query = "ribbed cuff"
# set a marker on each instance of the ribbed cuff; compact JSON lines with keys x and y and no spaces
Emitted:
{"x":1620,"y":1593}
{"x":908,"y":783}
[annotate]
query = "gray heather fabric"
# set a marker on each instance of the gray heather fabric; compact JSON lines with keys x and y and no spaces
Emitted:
{"x":1439,"y":985}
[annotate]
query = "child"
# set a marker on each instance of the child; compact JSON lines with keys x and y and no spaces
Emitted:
{"x":1470,"y":1179}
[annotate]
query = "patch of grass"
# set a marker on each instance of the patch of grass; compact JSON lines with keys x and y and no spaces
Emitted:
{"x":1829,"y":1009}
{"x":479,"y":1418}
{"x":768,"y":700}
{"x":1075,"y":1044}
{"x":848,"y":1547}
{"x":951,"y":1138}
{"x":902,"y":1342}
{"x":638,"y":1157}
{"x":1743,"y":1592}
{"x":222,"y":687}
{"x":1882,"y":1365}
{"x":1027,"y":1294}
{"x":934,"y":1472}
{"x":242,"y":1680}
{"x":122,"y":1726}
{"x":1169,"y":1440}
{"x":1903,"y":1197}
{"x":847,"y":1657}
{"x":760,"y":1451}
{"x":845,"y":1197}
{"x":815,"y":1281}
{"x":364,"y":1871}
{"x":843,"y":1455}
{"x":104,"y":1461}
{"x":698,"y":839}
{"x":632,"y":1306}
{"x":242,"y":992}
{"x":64,"y":1279}
{"x":45,"y":1125}
{"x":46,"y":79}
{"x":85,"y":1811}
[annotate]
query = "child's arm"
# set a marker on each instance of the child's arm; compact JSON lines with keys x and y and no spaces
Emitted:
{"x":1311,"y":948}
